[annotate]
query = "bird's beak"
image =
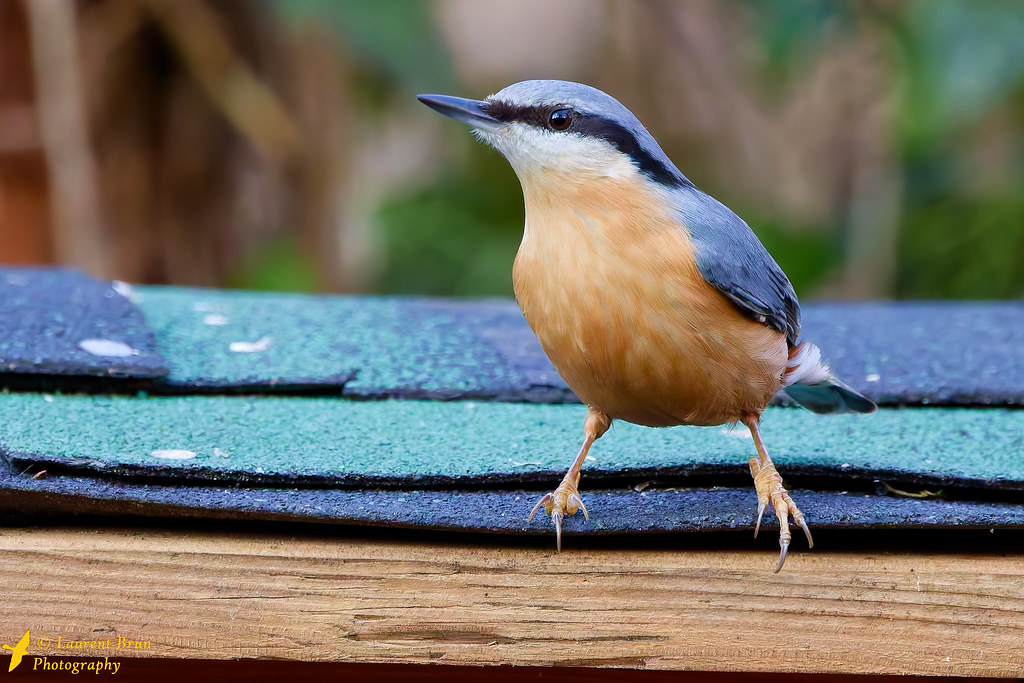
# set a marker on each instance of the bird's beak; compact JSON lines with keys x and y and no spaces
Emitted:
{"x":471,"y":112}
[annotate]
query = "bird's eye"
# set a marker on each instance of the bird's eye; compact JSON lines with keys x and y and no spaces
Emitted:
{"x":560,"y":119}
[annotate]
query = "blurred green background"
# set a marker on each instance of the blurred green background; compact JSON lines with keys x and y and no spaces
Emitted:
{"x":876,"y":148}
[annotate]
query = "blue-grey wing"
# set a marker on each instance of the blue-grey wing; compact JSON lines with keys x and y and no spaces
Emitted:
{"x":731,"y":258}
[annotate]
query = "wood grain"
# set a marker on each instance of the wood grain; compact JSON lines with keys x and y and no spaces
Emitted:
{"x":222,"y":595}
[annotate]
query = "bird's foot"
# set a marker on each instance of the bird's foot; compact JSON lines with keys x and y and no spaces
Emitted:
{"x":561,"y":503}
{"x":770,"y":491}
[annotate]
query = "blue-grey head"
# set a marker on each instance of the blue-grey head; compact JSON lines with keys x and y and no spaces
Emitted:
{"x":562,"y":126}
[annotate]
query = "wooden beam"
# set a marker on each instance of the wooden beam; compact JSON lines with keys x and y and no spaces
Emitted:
{"x":216,"y":595}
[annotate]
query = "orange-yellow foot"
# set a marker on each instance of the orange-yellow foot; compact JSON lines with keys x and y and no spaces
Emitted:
{"x":770,"y":491}
{"x":561,"y":503}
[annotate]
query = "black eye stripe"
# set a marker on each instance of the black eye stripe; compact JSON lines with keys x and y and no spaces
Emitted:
{"x":507,"y":113}
{"x":624,"y":141}
{"x":596,"y":127}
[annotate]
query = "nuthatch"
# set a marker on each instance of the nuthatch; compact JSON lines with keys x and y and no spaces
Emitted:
{"x":655,"y":302}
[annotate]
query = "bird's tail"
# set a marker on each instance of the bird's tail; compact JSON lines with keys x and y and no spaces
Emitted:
{"x":809,"y":382}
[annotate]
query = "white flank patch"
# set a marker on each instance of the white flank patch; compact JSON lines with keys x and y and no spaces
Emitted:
{"x":174,"y":454}
{"x":107,"y":347}
{"x":805,"y":367}
{"x":258,"y":346}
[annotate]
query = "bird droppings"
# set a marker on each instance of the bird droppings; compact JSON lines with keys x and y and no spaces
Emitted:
{"x":221,"y":453}
{"x":872,"y":377}
{"x":107,"y":347}
{"x":124,"y":289}
{"x":215,"y":319}
{"x":258,"y":346}
{"x":173,"y":454}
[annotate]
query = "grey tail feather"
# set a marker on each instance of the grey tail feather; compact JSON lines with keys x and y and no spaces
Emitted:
{"x":809,"y":382}
{"x":830,"y":396}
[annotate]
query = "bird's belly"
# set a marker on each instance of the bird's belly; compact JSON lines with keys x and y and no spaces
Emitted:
{"x":643,"y":362}
{"x":641,"y":336}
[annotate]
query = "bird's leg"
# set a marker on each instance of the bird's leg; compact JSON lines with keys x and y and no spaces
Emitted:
{"x":565,"y":500}
{"x":770,"y":490}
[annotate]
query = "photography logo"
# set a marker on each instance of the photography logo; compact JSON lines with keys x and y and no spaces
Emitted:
{"x":74,"y":654}
{"x":17,"y":652}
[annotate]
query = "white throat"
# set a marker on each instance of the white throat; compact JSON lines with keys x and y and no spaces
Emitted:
{"x":530,"y":149}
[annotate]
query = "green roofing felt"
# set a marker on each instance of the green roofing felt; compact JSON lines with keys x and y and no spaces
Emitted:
{"x":289,"y":440}
{"x":371,"y":345}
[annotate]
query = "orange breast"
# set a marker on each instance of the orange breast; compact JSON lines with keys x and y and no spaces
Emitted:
{"x":609,"y":284}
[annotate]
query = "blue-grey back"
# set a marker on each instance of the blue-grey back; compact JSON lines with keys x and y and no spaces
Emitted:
{"x":731,"y":258}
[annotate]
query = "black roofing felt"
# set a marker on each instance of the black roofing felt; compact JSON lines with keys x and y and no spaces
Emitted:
{"x":612,"y":511}
{"x":930,"y":353}
{"x":61,"y":322}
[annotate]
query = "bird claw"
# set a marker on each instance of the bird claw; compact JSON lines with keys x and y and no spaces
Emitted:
{"x":543,"y":501}
{"x":784,"y":545}
{"x":561,"y":504}
{"x":798,"y":517}
{"x":556,"y":518}
{"x":770,"y":491}
{"x":761,"y":505}
{"x":574,"y":499}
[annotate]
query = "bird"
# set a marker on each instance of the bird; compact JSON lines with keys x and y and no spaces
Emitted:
{"x":656,"y":303}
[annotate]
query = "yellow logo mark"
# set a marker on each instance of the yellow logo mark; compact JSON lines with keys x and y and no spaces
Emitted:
{"x":17,"y":652}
